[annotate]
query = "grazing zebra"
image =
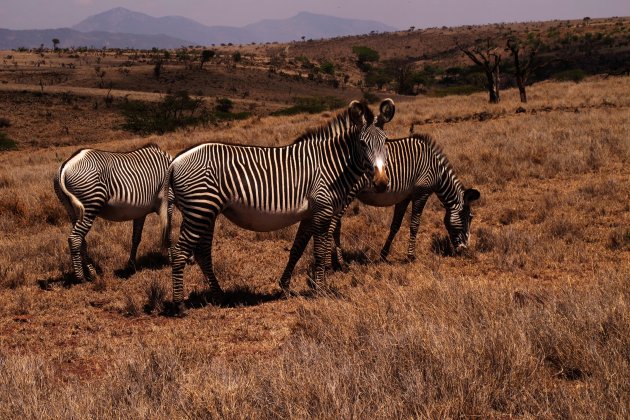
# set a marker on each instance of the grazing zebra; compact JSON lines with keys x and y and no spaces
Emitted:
{"x":114,"y":186}
{"x":268,"y":188}
{"x":416,"y":168}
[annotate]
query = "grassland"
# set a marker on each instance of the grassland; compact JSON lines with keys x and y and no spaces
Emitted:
{"x":532,"y":321}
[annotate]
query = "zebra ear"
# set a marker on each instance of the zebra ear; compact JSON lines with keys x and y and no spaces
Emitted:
{"x":356,"y":110}
{"x":471,"y":194}
{"x":387,"y":109}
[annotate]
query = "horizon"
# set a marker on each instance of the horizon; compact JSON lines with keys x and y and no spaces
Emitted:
{"x":397,"y":13}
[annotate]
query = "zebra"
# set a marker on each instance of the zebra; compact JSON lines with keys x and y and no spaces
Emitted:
{"x":268,"y":188}
{"x":417,"y":168}
{"x":114,"y":186}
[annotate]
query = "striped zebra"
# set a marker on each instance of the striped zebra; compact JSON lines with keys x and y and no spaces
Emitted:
{"x":268,"y":188}
{"x":416,"y":168}
{"x":114,"y":186}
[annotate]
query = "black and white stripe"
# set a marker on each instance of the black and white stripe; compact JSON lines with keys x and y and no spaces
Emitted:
{"x":114,"y":186}
{"x":268,"y":188}
{"x":417,"y":168}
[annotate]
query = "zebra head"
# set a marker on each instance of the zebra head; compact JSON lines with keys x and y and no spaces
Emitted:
{"x":372,"y":139}
{"x":458,"y":221}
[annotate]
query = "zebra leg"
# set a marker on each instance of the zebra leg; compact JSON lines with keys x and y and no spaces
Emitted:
{"x":88,"y":264}
{"x":78,"y":249}
{"x":203,"y":254}
{"x":181,"y":252}
{"x":399,"y":212}
{"x":302,"y":237}
{"x":337,"y":257}
{"x":414,"y":224}
{"x":136,"y":237}
{"x":321,"y":248}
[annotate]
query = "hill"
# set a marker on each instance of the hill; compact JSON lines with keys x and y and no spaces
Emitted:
{"x":308,"y":25}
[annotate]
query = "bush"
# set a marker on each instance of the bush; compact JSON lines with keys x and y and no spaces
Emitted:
{"x":236,"y":56}
{"x":173,"y":112}
{"x":328,"y":68}
{"x":6,"y":143}
{"x":157,"y":69}
{"x":365,"y":55}
{"x":312,"y":105}
{"x":224,"y":105}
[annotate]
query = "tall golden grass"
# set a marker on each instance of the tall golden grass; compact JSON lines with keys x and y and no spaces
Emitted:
{"x":534,"y":321}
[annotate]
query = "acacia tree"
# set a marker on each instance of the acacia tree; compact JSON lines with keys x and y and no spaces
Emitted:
{"x":523,"y":55}
{"x":486,"y":55}
{"x":55,"y":42}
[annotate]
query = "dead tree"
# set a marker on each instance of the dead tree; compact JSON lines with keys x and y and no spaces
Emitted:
{"x":523,"y":55}
{"x":486,"y":56}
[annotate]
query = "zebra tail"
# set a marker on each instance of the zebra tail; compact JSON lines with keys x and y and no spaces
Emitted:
{"x":166,"y":209}
{"x":74,"y":201}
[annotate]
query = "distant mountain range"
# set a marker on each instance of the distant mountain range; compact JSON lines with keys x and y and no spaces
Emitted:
{"x":33,"y":38}
{"x":120,"y":27}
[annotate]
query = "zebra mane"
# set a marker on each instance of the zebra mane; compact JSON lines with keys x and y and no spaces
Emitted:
{"x":339,"y":124}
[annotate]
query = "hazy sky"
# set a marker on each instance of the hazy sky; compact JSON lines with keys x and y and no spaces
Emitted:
{"x":38,"y":14}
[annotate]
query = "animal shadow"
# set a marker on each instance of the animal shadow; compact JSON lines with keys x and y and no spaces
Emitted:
{"x":66,"y":279}
{"x":233,"y":298}
{"x":355,"y":256}
{"x":151,"y":261}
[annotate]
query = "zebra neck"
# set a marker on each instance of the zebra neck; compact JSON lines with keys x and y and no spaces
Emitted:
{"x":448,"y":189}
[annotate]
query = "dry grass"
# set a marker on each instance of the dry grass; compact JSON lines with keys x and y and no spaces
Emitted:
{"x":534,"y":321}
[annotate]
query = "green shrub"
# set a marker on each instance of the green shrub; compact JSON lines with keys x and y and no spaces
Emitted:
{"x":327,"y":68}
{"x":365,"y":56}
{"x":173,"y":112}
{"x":224,"y":105}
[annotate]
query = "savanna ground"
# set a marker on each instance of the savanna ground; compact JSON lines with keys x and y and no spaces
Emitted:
{"x":533,"y":321}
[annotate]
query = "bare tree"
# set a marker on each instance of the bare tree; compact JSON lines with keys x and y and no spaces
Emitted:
{"x":523,"y":55}
{"x":485,"y":54}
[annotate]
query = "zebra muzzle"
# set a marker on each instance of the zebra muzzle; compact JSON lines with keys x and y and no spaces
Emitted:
{"x":380,"y":178}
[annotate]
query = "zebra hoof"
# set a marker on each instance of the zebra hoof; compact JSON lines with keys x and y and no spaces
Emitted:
{"x":288,"y":293}
{"x":131,"y":268}
{"x":174,"y":309}
{"x":411,"y":258}
{"x":317,"y":287}
{"x":90,"y":273}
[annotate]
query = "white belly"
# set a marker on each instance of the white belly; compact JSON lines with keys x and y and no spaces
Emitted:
{"x":117,"y":211}
{"x":384,"y":199}
{"x":262,"y":221}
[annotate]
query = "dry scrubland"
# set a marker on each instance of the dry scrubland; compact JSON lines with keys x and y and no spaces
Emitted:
{"x":533,"y":321}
